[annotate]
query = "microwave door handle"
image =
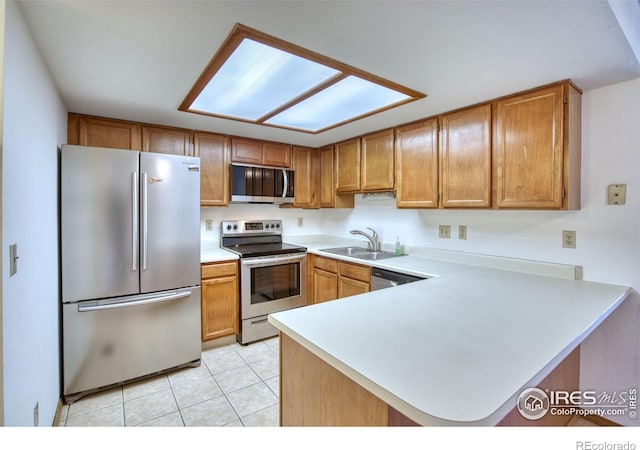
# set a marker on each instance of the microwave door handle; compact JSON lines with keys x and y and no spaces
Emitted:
{"x":285,"y":187}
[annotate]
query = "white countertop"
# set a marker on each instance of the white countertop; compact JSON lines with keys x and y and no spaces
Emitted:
{"x":458,"y":348}
{"x":210,"y":251}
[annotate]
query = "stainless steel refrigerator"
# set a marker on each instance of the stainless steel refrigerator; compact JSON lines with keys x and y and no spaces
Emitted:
{"x":130,"y":248}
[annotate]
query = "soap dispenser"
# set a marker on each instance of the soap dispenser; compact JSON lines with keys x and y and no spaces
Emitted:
{"x":398,"y":250}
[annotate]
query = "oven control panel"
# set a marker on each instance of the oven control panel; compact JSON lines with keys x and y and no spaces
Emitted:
{"x":249,"y":227}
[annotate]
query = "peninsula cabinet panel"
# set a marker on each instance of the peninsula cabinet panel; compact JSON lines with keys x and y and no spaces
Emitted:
{"x":213,"y":151}
{"x":306,"y":181}
{"x":219,"y":300}
{"x":347,"y":166}
{"x":537,"y":149}
{"x":100,"y":132}
{"x":465,"y":158}
{"x":171,"y":141}
{"x":417,"y":165}
{"x":377,"y":161}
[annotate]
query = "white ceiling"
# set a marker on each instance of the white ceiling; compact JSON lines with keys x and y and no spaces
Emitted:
{"x":137,"y":60}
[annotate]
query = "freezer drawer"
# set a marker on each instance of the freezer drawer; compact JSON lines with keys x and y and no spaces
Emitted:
{"x":111,"y":341}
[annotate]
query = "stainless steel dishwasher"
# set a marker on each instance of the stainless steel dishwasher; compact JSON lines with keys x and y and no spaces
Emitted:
{"x":382,"y":278}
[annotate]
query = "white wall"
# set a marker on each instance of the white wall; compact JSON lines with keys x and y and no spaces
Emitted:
{"x":608,"y":247}
{"x":34,"y":125}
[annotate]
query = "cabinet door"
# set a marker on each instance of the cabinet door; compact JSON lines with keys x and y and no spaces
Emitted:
{"x":172,"y":141}
{"x":529,"y":150}
{"x":417,"y":165}
{"x":98,"y":132}
{"x":377,"y":161}
{"x":246,"y":151}
{"x":219,"y":299}
{"x":465,"y":158}
{"x":274,"y":154}
{"x":348,"y":287}
{"x":328,"y":196}
{"x":306,"y":180}
{"x":325,"y":286}
{"x":213,"y":151}
{"x":347,"y":156}
{"x":219,"y":307}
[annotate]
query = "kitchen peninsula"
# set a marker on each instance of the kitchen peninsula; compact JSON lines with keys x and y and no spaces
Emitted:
{"x":454,"y":349}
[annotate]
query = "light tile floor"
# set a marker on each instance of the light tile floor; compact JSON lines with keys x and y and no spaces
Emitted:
{"x":235,"y":385}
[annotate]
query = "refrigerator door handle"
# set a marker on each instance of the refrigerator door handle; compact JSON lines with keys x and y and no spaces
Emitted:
{"x":145,"y":247}
{"x":134,"y":221}
{"x":147,"y":301}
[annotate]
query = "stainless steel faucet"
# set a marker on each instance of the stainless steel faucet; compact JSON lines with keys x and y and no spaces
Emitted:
{"x":374,"y":243}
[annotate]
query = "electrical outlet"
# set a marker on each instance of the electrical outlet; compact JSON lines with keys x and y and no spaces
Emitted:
{"x":444,"y":231}
{"x":462,"y":231}
{"x":36,"y":415}
{"x":569,"y":239}
{"x":300,"y":221}
{"x":617,"y":194}
{"x":208,"y":225}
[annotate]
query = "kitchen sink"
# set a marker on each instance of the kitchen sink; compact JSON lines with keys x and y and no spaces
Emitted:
{"x":360,"y":253}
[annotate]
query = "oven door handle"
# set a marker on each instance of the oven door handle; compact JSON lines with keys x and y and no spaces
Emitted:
{"x":273,"y":260}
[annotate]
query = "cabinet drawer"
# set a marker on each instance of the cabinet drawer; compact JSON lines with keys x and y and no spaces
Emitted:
{"x":330,"y":265}
{"x":357,"y":272}
{"x":219,"y":269}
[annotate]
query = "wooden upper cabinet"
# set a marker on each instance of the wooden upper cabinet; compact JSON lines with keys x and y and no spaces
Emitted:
{"x":277,"y":154}
{"x":537,"y":149}
{"x":213,"y":151}
{"x":417,"y":165}
{"x":306,"y":180}
{"x":100,"y":132}
{"x":327,"y":186}
{"x":328,"y":196}
{"x":260,"y":153}
{"x":377,"y":167}
{"x":465,"y":158}
{"x":172,"y":141}
{"x":347,"y":166}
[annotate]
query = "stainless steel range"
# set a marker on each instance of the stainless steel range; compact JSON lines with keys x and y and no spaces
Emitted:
{"x":273,"y":274}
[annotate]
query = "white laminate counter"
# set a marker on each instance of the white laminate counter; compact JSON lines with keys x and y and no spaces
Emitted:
{"x":457,"y":348}
{"x":211,"y":252}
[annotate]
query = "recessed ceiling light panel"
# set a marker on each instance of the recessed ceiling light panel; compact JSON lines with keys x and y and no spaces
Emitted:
{"x":257,"y":78}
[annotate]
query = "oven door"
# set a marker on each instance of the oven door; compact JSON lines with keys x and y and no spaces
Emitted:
{"x":272,"y":283}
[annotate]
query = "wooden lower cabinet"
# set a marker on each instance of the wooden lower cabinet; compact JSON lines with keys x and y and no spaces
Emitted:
{"x":332,"y":279}
{"x":220,"y":308}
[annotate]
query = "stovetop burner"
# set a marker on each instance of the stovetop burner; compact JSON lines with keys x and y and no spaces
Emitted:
{"x":256,"y":238}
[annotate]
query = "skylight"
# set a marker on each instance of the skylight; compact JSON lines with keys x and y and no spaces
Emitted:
{"x":260,"y":79}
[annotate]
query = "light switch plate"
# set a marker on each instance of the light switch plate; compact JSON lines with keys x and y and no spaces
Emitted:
{"x":617,"y":194}
{"x":208,"y":225}
{"x":462,"y":231}
{"x":13,"y":259}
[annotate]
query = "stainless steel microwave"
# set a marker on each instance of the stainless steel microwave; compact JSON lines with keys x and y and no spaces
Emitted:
{"x":261,"y":184}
